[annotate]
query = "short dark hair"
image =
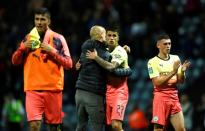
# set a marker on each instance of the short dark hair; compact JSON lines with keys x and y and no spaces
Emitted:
{"x":43,"y":11}
{"x":162,"y":36}
{"x":114,"y":28}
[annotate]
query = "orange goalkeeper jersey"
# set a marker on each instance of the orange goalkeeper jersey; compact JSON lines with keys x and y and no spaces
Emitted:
{"x":44,"y":71}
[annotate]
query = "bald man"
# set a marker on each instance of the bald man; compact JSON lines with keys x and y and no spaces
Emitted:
{"x":91,"y":83}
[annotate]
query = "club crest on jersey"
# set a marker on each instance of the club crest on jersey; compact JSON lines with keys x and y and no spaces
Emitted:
{"x":155,"y":119}
{"x":161,"y":65}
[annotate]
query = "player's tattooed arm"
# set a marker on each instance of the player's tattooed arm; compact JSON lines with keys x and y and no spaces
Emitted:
{"x":123,"y":72}
{"x":105,"y":64}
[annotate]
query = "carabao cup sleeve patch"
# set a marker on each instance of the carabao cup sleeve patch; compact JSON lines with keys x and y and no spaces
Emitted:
{"x":150,"y":70}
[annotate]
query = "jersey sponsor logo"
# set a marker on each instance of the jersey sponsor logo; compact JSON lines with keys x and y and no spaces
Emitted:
{"x":155,"y":119}
{"x":163,"y":73}
{"x":150,"y":70}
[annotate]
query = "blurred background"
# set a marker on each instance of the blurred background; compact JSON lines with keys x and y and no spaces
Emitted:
{"x":140,"y":21}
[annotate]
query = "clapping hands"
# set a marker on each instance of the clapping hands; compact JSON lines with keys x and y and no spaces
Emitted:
{"x":185,"y":65}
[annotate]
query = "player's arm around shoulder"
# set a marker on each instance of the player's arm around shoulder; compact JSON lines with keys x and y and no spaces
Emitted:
{"x":93,"y":55}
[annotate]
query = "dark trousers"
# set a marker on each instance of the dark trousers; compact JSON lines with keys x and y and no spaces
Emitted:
{"x":90,"y":107}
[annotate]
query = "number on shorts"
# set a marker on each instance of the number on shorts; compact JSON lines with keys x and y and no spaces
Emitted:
{"x":120,"y":109}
